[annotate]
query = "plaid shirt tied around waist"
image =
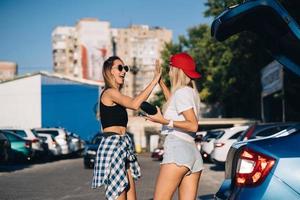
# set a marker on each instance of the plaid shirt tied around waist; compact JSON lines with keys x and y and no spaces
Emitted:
{"x":114,"y":156}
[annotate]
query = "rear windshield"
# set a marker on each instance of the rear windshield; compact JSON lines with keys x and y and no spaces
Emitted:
{"x":213,"y":134}
{"x":44,"y":138}
{"x":19,"y":133}
{"x":2,"y":137}
{"x":51,"y":132}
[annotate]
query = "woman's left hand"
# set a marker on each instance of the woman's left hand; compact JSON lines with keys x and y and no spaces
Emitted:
{"x":158,"y":117}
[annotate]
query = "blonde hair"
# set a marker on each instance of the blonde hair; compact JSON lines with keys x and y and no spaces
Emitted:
{"x":178,"y":80}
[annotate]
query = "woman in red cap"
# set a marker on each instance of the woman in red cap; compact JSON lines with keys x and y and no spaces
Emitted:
{"x":182,"y":163}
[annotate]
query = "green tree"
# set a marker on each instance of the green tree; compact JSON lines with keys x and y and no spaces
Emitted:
{"x":230,"y":69}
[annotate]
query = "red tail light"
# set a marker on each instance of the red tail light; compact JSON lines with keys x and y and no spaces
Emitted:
{"x":54,"y":143}
{"x":219,"y":144}
{"x":34,"y":140}
{"x":28,"y":144}
{"x":253,"y":168}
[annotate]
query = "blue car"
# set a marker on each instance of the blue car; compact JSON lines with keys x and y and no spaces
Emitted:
{"x":267,"y":168}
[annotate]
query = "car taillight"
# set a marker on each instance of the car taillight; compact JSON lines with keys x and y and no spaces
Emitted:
{"x":28,"y":144}
{"x":34,"y":140}
{"x":219,"y":144}
{"x":253,"y":168}
{"x":54,"y":143}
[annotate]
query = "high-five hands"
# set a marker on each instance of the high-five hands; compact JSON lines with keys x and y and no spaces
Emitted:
{"x":158,"y":71}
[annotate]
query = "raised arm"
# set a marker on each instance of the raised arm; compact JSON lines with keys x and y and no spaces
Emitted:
{"x":134,"y":103}
{"x":165,"y":89}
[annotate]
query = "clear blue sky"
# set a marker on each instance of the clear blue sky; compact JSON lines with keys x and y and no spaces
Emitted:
{"x":26,"y":25}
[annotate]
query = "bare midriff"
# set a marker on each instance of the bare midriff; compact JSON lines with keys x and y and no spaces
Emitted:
{"x":116,"y":129}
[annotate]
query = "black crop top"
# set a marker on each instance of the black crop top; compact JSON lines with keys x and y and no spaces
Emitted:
{"x":113,"y":115}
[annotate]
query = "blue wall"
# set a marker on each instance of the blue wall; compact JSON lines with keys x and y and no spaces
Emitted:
{"x":70,"y":105}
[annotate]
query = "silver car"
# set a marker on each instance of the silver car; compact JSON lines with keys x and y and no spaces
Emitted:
{"x":60,"y":136}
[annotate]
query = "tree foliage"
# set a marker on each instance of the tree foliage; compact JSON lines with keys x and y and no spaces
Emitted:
{"x":230,"y":69}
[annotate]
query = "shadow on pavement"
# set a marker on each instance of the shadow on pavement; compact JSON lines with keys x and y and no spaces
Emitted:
{"x":206,"y":197}
{"x":19,"y":165}
{"x":13,"y":167}
{"x":218,"y":168}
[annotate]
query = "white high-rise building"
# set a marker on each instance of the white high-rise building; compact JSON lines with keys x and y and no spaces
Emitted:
{"x":140,"y":46}
{"x":63,"y":45}
{"x":94,"y":39}
{"x":81,"y":50}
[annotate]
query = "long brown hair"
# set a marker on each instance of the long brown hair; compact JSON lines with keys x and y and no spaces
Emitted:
{"x":106,"y":72}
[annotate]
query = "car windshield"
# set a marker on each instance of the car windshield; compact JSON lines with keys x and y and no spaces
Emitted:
{"x":213,"y":134}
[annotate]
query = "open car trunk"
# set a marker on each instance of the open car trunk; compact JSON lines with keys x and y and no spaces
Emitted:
{"x":277,"y":29}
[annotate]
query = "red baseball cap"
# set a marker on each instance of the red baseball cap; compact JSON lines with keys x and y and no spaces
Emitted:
{"x":186,"y":63}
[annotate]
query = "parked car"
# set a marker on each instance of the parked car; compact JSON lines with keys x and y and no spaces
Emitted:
{"x":263,"y":130}
{"x":54,"y":148}
{"x":75,"y":142}
{"x":265,"y":168}
{"x":199,"y":139}
{"x":4,"y":148}
{"x":224,"y":141}
{"x":207,"y":144}
{"x":59,"y":135}
{"x":90,"y":151}
{"x":21,"y":149}
{"x":158,"y":153}
{"x":38,"y":150}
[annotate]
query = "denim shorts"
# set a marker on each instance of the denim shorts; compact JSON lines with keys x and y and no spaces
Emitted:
{"x":182,"y":153}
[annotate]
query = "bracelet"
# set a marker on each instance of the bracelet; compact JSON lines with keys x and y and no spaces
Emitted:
{"x":170,"y":124}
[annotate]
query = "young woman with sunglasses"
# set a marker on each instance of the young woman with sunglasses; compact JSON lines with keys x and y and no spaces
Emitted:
{"x":116,"y":166}
{"x":182,"y":163}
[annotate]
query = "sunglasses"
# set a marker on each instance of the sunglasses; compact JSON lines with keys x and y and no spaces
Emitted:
{"x":121,"y":67}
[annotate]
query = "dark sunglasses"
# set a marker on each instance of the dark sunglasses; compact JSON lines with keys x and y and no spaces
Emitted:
{"x":121,"y":67}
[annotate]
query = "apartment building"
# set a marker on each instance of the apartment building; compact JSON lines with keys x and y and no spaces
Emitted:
{"x":94,"y":46}
{"x":81,"y":50}
{"x":139,"y":46}
{"x":63,"y":46}
{"x":8,"y":70}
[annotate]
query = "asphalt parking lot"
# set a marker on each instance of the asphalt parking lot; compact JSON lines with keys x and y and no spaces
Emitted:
{"x":67,"y":179}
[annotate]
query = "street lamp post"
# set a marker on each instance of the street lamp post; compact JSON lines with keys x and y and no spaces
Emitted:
{"x":134,"y":70}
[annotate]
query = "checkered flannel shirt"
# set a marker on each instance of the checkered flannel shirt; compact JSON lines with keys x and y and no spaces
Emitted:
{"x":114,"y":156}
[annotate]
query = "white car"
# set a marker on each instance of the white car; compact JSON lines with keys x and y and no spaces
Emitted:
{"x":60,"y":137}
{"x":207,"y":144}
{"x":224,"y":141}
{"x":36,"y":143}
{"x":53,"y":147}
{"x":75,"y":142}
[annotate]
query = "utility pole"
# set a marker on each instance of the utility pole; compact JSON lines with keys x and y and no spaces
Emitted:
{"x":134,"y":70}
